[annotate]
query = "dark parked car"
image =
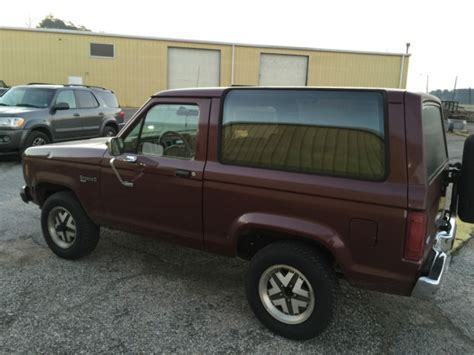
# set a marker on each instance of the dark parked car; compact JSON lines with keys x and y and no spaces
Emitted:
{"x":40,"y":114}
{"x":3,"y":91}
{"x":305,"y":183}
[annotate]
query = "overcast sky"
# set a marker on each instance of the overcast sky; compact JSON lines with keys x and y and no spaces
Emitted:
{"x":441,"y":33}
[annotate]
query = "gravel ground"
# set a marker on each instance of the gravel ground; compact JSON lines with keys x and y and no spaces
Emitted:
{"x":137,"y":294}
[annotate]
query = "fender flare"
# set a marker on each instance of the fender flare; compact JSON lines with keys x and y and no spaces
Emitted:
{"x":32,"y":126}
{"x":308,"y":230}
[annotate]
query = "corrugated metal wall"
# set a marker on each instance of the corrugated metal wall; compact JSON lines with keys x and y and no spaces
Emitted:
{"x":140,"y":68}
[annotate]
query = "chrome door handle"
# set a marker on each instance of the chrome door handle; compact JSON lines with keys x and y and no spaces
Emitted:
{"x":117,"y":174}
{"x":130,"y":159}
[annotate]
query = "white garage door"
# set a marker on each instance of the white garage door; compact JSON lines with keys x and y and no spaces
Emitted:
{"x":189,"y":67}
{"x":279,"y":70}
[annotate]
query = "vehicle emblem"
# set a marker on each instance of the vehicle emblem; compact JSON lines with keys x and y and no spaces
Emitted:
{"x":85,"y":179}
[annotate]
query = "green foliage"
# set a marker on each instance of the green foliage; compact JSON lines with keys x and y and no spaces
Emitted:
{"x":52,"y":22}
{"x":464,"y":96}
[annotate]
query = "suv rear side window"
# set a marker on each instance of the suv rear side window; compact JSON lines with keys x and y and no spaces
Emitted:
{"x":85,"y":99}
{"x":311,"y":131}
{"x":434,"y":144}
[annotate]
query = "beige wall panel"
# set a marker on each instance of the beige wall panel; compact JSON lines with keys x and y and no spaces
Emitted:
{"x":337,"y":69}
{"x":139,"y":68}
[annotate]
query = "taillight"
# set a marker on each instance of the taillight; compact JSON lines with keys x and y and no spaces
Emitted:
{"x":121,"y":115}
{"x":416,"y":233}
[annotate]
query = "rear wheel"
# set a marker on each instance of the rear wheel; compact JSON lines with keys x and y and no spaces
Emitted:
{"x":109,"y":131}
{"x":291,"y":288}
{"x":67,"y":229}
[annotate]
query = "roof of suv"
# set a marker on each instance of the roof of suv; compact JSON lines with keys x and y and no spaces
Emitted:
{"x":219,"y":91}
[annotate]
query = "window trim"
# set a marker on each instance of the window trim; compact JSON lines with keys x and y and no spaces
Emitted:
{"x":387,"y":161}
{"x":101,"y":56}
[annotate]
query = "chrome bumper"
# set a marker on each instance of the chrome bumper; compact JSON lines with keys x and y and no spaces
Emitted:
{"x":426,"y":286}
{"x":25,"y":194}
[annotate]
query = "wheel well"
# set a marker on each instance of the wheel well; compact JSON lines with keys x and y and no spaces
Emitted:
{"x":44,"y":190}
{"x":43,"y":130}
{"x":252,"y":241}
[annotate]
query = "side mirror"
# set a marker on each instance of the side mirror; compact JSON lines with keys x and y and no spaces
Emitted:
{"x":61,"y":106}
{"x":115,"y":146}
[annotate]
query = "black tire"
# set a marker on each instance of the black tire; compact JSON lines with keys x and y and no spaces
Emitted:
{"x":86,"y":232}
{"x":109,"y":131}
{"x":466,"y":183}
{"x":317,"y":271}
{"x":35,"y":138}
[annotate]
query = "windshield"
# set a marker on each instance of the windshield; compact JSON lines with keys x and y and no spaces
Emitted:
{"x":27,"y":97}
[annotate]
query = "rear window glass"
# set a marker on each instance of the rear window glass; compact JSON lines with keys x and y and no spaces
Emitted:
{"x":312,"y":131}
{"x":434,"y":143}
{"x":109,"y":99}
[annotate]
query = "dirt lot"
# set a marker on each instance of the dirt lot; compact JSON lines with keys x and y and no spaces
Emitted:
{"x":136,"y":294}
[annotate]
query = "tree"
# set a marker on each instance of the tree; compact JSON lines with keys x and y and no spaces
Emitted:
{"x":52,"y":22}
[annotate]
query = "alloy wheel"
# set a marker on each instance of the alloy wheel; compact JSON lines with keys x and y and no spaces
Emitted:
{"x":286,"y":294}
{"x":62,"y":227}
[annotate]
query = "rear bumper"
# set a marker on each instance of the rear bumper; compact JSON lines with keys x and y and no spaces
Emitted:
{"x":427,"y":286}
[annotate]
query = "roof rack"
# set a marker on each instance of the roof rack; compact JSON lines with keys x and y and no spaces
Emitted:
{"x":88,"y":86}
{"x":79,"y":85}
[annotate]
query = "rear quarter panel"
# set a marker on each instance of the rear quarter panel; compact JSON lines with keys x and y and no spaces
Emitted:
{"x":317,"y":207}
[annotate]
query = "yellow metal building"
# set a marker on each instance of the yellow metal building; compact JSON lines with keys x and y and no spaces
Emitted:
{"x":137,"y":67}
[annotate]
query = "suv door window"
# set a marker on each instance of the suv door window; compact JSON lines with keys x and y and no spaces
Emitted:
{"x":86,"y":99}
{"x":68,"y":97}
{"x":434,"y":144}
{"x":168,"y":130}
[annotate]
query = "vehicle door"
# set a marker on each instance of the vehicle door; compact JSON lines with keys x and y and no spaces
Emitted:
{"x":155,"y":186}
{"x":90,"y":112}
{"x":66,"y":123}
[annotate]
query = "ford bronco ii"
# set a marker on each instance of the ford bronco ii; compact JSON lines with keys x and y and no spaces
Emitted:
{"x":306,"y":183}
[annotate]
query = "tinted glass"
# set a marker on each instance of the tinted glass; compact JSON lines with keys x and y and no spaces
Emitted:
{"x":102,"y":50}
{"x":313,"y":131}
{"x":168,"y":130}
{"x":109,"y":99}
{"x":67,"y":96}
{"x":433,"y":139}
{"x":86,"y":99}
{"x":27,"y":97}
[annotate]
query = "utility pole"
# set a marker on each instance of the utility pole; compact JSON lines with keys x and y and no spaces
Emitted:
{"x":454,"y":90}
{"x":470,"y":101}
{"x":427,"y":83}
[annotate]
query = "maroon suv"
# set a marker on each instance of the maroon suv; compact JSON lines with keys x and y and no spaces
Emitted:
{"x":306,"y":183}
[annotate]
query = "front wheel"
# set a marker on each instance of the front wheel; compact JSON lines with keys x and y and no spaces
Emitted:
{"x":291,"y":288}
{"x":67,"y":229}
{"x":36,"y":138}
